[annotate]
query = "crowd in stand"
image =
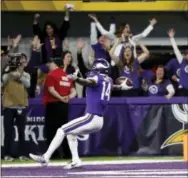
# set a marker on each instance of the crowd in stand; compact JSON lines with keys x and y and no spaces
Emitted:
{"x":117,"y":46}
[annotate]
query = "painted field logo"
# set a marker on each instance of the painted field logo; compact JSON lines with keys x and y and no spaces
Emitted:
{"x":181,"y":114}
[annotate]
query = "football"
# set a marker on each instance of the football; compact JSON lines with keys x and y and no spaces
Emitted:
{"x":122,"y":79}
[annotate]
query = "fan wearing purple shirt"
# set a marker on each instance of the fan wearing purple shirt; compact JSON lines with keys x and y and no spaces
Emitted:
{"x":129,"y":65}
{"x":160,"y":85}
{"x":183,"y":62}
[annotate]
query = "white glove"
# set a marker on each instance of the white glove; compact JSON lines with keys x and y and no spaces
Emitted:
{"x":124,"y":86}
{"x":73,"y":76}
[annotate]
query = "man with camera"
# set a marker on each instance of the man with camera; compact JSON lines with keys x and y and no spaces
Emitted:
{"x":15,"y":100}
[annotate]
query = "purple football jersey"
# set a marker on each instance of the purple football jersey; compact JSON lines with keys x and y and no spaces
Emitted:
{"x":97,"y":97}
{"x":173,"y":66}
{"x":184,"y":73}
{"x":133,"y":74}
{"x":158,"y":89}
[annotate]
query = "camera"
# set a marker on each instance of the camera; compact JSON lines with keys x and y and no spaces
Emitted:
{"x":14,"y":62}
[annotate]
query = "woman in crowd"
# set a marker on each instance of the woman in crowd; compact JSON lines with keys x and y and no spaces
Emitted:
{"x":183,"y":61}
{"x":67,"y":62}
{"x":51,"y":36}
{"x":160,"y":85}
{"x":129,"y":65}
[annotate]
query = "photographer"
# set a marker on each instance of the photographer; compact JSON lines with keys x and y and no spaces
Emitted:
{"x":15,"y":100}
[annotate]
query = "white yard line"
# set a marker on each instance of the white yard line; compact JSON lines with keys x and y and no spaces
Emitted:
{"x":149,"y":176}
{"x":129,"y":172}
{"x":91,"y":163}
{"x":34,"y":176}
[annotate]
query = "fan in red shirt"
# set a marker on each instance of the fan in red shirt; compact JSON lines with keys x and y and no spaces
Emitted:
{"x":58,"y":90}
{"x":61,"y":84}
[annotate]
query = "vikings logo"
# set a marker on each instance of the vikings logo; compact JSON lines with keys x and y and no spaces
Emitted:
{"x":181,"y":114}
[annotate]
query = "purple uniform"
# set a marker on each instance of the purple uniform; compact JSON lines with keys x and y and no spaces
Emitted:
{"x":184,"y":74}
{"x":98,"y":97}
{"x":132,"y":74}
{"x":147,"y":75}
{"x":158,"y":89}
{"x":174,"y":67}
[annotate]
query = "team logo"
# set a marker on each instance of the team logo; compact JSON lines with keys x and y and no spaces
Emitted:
{"x":153,"y":89}
{"x":186,"y":68}
{"x":178,"y":72}
{"x":180,"y":112}
{"x":126,"y":70}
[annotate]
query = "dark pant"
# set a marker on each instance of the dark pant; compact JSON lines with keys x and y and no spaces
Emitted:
{"x":132,"y":93}
{"x":56,"y":114}
{"x":20,"y":118}
{"x":32,"y":89}
{"x":182,"y":92}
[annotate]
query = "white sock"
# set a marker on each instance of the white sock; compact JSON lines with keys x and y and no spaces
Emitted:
{"x":73,"y":145}
{"x":56,"y":142}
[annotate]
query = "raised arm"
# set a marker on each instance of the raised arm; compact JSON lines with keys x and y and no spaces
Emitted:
{"x":177,"y":52}
{"x":144,"y":55}
{"x":93,"y":34}
{"x":36,"y":28}
{"x":112,"y":51}
{"x":146,"y":32}
{"x":110,"y":33}
{"x":81,"y":65}
{"x":66,"y":23}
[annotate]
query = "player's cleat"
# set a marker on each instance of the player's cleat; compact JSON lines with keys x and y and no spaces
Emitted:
{"x":73,"y":164}
{"x":39,"y":159}
{"x":23,"y":158}
{"x":9,"y":158}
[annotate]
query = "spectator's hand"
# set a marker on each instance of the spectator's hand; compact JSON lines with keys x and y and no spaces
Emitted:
{"x":80,"y":44}
{"x":66,"y":44}
{"x":168,"y":96}
{"x":36,"y":45}
{"x":171,"y":33}
{"x":38,"y":90}
{"x":15,"y":74}
{"x":16,"y":40}
{"x":153,"y":21}
{"x":69,"y":7}
{"x":65,"y":99}
{"x":10,"y":42}
{"x":175,"y":78}
{"x":93,"y":17}
{"x":36,"y":18}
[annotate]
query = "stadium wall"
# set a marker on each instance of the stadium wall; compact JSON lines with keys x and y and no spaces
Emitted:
{"x":21,"y":22}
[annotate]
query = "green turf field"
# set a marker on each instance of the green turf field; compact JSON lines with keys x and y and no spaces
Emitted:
{"x":107,"y":158}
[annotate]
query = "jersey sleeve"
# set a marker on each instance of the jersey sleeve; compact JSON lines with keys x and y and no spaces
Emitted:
{"x":169,"y":65}
{"x":50,"y":82}
{"x":168,"y":82}
{"x":94,"y":77}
